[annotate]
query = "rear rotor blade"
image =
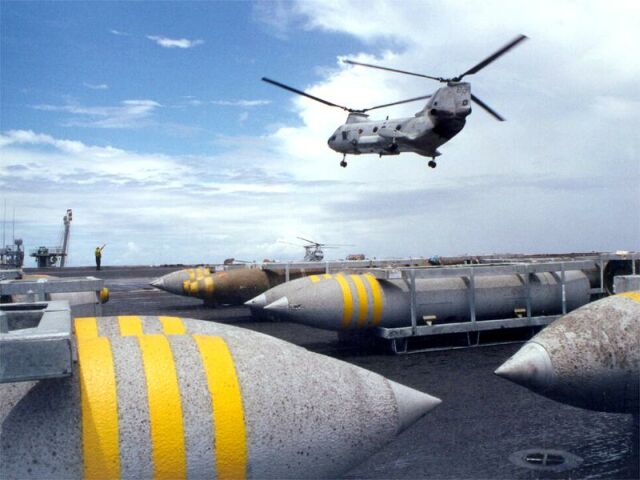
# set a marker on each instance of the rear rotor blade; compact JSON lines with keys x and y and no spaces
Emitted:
{"x":310,"y":241}
{"x":487,"y":108}
{"x":397,"y":103}
{"x":351,"y":62}
{"x":493,"y":57}
{"x":304,"y":94}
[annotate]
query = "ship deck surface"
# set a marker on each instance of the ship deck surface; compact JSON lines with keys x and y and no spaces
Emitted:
{"x":482,"y":421}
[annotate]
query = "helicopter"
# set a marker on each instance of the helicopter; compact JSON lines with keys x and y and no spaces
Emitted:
{"x":313,"y":250}
{"x":442,"y":118}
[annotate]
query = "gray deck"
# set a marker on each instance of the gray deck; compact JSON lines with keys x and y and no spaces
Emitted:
{"x":481,"y":422}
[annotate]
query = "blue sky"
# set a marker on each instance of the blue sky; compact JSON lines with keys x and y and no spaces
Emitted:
{"x":149,"y":119}
{"x":60,"y":59}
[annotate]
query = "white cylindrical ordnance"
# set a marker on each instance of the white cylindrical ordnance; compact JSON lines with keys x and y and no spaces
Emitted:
{"x":167,"y":397}
{"x":337,"y":302}
{"x":589,"y":358}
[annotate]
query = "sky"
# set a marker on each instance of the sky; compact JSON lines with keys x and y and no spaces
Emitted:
{"x":150,"y":121}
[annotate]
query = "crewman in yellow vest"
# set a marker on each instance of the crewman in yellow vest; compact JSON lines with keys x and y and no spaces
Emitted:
{"x":99,"y":255}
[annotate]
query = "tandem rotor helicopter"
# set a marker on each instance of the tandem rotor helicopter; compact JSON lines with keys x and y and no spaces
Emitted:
{"x":313,"y":250}
{"x":442,"y":118}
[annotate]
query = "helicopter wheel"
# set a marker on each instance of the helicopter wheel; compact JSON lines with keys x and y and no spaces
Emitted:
{"x":343,"y":163}
{"x":432,"y":164}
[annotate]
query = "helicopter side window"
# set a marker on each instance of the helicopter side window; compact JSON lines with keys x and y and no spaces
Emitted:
{"x":345,"y":134}
{"x":398,"y":127}
{"x":375,"y":129}
{"x":360,"y":131}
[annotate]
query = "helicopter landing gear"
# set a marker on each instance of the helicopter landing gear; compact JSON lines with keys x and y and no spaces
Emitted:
{"x":343,"y":162}
{"x":432,"y":163}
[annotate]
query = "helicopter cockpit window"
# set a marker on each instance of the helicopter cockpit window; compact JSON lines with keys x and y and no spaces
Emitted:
{"x":345,"y":134}
{"x":398,"y":127}
{"x":333,"y":137}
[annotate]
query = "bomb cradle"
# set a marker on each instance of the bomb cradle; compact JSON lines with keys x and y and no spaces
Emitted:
{"x":590,"y":358}
{"x":169,"y":397}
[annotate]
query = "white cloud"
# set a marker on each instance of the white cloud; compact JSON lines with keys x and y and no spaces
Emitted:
{"x":241,"y":201}
{"x":97,"y":86}
{"x":129,"y":114}
{"x":119,"y":33}
{"x":175,"y":42}
{"x":561,"y":174}
{"x":240,"y":103}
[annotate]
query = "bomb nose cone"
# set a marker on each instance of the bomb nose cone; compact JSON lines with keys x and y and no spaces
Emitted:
{"x":257,"y":302}
{"x":280,"y":305}
{"x":412,"y":404}
{"x":158,"y":283}
{"x":530,"y":367}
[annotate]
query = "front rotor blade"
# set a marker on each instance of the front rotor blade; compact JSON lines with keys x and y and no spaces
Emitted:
{"x":397,"y":103}
{"x":351,"y":62}
{"x":494,"y":57}
{"x":304,"y":94}
{"x":487,"y":108}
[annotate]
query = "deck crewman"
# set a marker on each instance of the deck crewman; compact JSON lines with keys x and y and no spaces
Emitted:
{"x":99,"y":255}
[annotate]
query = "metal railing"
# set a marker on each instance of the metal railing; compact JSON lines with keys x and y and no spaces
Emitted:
{"x":399,"y":336}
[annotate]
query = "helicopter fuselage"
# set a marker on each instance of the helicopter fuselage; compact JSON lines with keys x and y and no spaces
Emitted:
{"x":441,"y":119}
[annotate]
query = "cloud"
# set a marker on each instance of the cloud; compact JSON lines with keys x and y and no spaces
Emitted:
{"x":240,"y":103}
{"x":278,"y":16}
{"x":129,"y":114}
{"x":561,"y":174}
{"x":99,"y":86}
{"x":119,"y":33}
{"x":175,"y":42}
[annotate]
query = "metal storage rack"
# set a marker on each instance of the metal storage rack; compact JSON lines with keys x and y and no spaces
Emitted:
{"x":399,"y":337}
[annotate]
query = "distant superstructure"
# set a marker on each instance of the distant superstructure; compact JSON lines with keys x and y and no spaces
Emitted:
{"x":48,"y":256}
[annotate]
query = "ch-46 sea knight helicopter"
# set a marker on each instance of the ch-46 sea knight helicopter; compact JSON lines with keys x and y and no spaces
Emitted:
{"x":313,"y":250}
{"x":439,"y":121}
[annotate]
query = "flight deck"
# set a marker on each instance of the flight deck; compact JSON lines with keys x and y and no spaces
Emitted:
{"x":486,"y":427}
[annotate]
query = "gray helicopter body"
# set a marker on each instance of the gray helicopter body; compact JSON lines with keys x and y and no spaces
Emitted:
{"x":439,"y":121}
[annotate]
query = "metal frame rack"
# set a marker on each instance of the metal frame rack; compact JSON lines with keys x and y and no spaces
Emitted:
{"x":399,"y":336}
{"x":35,"y":341}
{"x":37,"y":290}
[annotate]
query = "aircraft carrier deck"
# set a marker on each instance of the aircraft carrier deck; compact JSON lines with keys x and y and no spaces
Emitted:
{"x":482,"y":422}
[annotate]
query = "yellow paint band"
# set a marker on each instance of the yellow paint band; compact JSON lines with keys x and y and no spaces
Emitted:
{"x":632,"y":295}
{"x":362,"y":300}
{"x":376,"y":293}
{"x":172,"y":326}
{"x":193,"y":287}
{"x":99,"y":405}
{"x":86,"y":327}
{"x":185,"y":286}
{"x":192,"y":275}
{"x":226,"y":402}
{"x":130,"y":325}
{"x":165,"y":408}
{"x":347,"y":300}
{"x":314,"y":278}
{"x":327,"y":276}
{"x":207,"y":271}
{"x":208,"y":286}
